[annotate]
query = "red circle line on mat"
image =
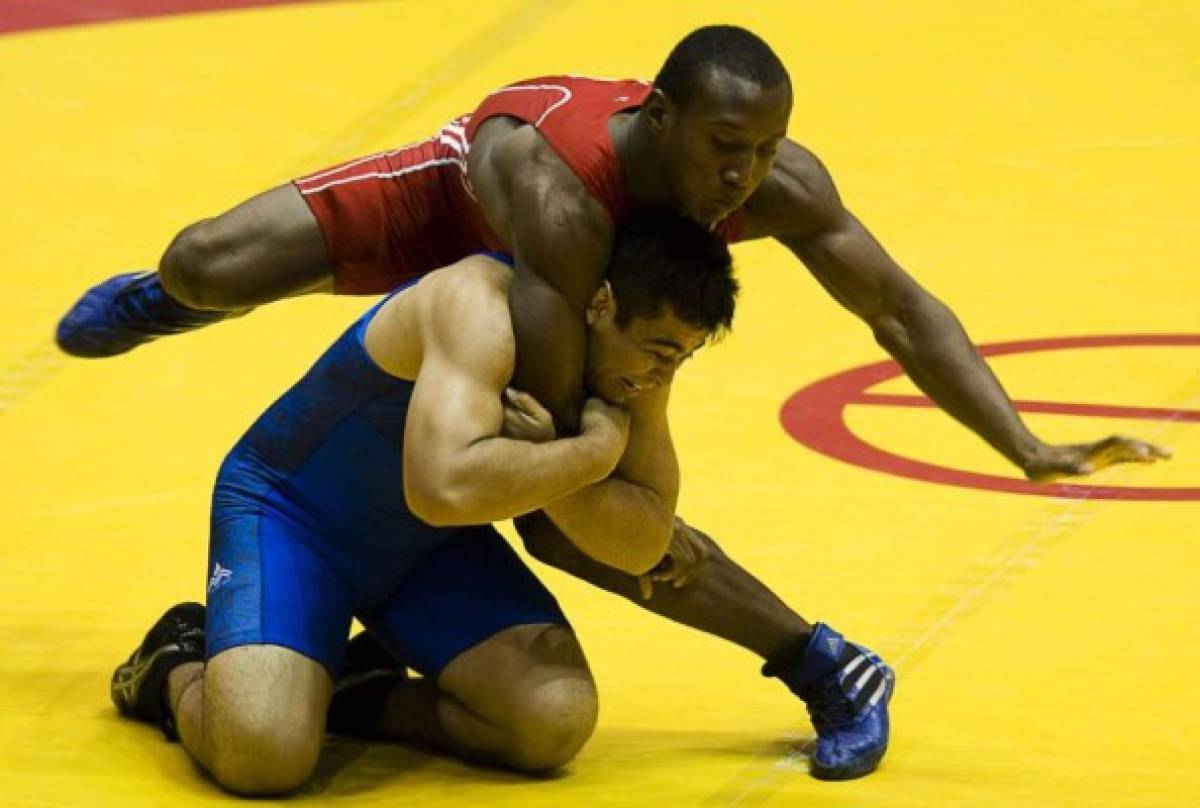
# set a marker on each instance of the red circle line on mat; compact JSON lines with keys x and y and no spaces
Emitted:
{"x":815,"y":416}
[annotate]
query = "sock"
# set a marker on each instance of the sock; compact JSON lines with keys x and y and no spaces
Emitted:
{"x":807,"y":661}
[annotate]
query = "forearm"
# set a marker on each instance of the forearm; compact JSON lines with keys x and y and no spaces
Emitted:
{"x":930,"y":344}
{"x":617,"y":523}
{"x":497,"y":478}
{"x":724,"y":600}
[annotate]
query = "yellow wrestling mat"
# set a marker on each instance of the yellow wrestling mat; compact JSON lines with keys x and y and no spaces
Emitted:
{"x":1036,"y":169}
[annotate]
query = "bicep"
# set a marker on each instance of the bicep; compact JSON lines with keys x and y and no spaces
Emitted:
{"x":455,"y":403}
{"x":854,"y":268}
{"x":811,"y":221}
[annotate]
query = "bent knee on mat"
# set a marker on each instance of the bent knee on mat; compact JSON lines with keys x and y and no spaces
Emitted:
{"x":550,"y":724}
{"x":251,"y":757}
{"x":533,"y":683}
{"x":264,"y":711}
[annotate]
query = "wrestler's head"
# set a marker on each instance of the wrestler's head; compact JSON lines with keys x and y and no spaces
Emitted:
{"x":717,"y":115}
{"x":669,"y":290}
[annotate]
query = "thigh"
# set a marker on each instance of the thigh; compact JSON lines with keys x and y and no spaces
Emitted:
{"x":267,"y":585}
{"x":392,"y":216}
{"x":467,"y":590}
{"x":264,"y":249}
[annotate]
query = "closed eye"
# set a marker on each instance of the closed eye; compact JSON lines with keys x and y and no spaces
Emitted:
{"x":729,"y":147}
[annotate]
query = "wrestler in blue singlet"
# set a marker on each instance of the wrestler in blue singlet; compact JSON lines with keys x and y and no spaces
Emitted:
{"x":310,"y":528}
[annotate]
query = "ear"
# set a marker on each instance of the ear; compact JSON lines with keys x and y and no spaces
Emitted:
{"x":603,"y":307}
{"x":658,"y":109}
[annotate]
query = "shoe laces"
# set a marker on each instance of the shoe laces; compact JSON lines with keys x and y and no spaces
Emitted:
{"x":137,"y":302}
{"x":145,"y":307}
{"x":187,"y":635}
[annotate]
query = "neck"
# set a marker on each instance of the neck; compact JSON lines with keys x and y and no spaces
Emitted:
{"x":645,"y":186}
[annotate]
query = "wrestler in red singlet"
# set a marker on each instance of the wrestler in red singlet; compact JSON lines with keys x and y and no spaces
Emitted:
{"x":392,"y":216}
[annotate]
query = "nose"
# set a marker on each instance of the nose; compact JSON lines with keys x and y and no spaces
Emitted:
{"x":736,"y":173}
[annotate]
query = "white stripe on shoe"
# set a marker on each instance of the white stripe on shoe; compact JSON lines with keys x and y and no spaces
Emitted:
{"x":854,"y":663}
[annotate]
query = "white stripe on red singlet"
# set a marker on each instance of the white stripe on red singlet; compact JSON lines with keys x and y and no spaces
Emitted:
{"x":441,"y":161}
{"x":452,"y":129}
{"x":567,"y":95}
{"x":351,"y":164}
{"x":451,"y":142}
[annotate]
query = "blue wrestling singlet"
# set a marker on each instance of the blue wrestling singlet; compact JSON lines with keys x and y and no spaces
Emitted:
{"x":310,"y":528}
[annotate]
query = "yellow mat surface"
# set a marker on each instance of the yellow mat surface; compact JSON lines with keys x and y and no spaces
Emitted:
{"x":1036,"y":166}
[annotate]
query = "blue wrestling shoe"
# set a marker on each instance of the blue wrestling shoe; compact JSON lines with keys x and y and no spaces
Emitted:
{"x":139,"y":686}
{"x":125,"y":311}
{"x":847,"y":689}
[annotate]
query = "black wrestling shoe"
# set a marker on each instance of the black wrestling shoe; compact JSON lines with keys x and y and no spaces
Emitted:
{"x":369,"y":674}
{"x":364,"y":653}
{"x":139,"y":687}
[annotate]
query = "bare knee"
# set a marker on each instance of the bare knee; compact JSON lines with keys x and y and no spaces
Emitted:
{"x":551,"y":722}
{"x":253,"y":756}
{"x":189,"y":269}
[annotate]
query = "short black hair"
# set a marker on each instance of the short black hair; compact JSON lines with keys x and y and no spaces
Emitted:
{"x":662,"y":259}
{"x":724,"y":47}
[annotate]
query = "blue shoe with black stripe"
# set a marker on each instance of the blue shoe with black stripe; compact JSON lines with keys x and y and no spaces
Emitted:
{"x":847,"y":689}
{"x":124,"y":312}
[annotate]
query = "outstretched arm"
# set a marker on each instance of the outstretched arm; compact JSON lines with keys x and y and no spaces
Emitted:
{"x":918,"y":330}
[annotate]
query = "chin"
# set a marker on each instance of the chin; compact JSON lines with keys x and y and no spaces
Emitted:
{"x":711,"y":214}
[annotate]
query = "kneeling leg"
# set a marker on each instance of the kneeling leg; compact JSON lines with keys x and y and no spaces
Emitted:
{"x":253,"y":716}
{"x":524,"y":699}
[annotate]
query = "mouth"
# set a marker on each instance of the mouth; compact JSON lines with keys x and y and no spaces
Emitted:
{"x":630,"y":388}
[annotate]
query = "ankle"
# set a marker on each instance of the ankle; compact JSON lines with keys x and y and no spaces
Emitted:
{"x":808,"y":660}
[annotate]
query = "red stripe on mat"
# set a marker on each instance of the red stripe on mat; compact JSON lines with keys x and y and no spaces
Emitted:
{"x":28,"y":15}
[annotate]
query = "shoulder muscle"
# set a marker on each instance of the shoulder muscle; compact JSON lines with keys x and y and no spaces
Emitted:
{"x":465,"y":319}
{"x":554,"y":225}
{"x":797,"y":199}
